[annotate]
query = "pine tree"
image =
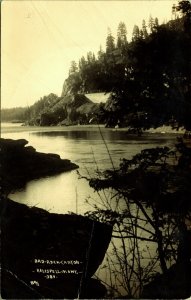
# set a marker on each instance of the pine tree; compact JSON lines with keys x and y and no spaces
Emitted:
{"x":184,"y":8}
{"x":121,"y":35}
{"x":82,"y":63}
{"x":155,"y":24}
{"x":89,"y":57}
{"x":93,"y":58}
{"x":73,"y":67}
{"x":144,"y":29}
{"x":174,"y":11}
{"x":100,"y":53}
{"x":151,"y":24}
{"x":141,"y":35}
{"x":136,"y":33}
{"x":110,"y":45}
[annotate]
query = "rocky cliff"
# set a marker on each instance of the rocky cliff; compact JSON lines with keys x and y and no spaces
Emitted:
{"x":71,"y":108}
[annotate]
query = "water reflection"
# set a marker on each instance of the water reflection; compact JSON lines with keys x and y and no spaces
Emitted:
{"x":108,"y":135}
{"x":85,"y":148}
{"x":61,"y":193}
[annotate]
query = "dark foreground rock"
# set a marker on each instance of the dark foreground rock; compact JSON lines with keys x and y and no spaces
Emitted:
{"x":21,"y":163}
{"x":46,"y":255}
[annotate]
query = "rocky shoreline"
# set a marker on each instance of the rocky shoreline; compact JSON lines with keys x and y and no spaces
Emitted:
{"x":21,"y":163}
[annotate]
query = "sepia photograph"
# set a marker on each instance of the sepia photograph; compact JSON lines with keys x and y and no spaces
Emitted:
{"x":95,"y":164}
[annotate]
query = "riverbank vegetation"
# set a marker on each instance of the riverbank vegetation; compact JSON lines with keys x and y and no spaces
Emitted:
{"x":148,"y":200}
{"x":148,"y":196}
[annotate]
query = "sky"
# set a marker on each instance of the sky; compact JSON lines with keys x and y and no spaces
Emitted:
{"x":39,"y":39}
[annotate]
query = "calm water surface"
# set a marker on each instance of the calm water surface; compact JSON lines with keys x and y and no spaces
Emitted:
{"x":83,"y":146}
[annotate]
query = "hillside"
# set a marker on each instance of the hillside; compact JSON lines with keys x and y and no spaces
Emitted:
{"x":127,"y":85}
{"x":69,"y":109}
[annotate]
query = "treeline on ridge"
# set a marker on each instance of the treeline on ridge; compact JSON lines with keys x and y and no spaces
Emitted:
{"x":148,"y":79}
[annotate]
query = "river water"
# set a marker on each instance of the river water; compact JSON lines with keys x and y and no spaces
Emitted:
{"x":88,"y":147}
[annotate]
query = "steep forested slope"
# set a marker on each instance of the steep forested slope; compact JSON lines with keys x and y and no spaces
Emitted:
{"x":148,"y":80}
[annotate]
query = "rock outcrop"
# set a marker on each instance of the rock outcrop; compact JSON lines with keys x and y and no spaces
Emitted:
{"x":71,"y":109}
{"x":21,"y":163}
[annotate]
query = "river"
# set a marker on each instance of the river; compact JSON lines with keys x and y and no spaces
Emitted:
{"x":84,"y":146}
